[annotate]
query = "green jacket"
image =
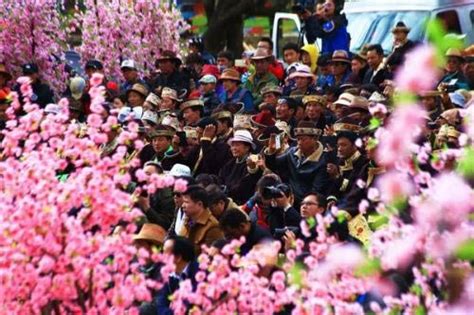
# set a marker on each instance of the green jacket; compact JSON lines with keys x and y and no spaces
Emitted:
{"x":255,"y":85}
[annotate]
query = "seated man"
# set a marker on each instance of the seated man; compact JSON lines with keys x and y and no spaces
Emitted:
{"x":187,"y":266}
{"x":235,"y":224}
{"x":199,"y":225}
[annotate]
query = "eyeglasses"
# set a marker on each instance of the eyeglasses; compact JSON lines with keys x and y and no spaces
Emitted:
{"x":309,"y":203}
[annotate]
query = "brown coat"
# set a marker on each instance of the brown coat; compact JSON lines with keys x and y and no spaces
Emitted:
{"x":204,"y":231}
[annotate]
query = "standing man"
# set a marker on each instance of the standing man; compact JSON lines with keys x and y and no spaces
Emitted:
{"x":170,"y":75}
{"x":377,"y":73}
{"x":401,"y":45}
{"x":262,"y":76}
{"x":130,"y":75}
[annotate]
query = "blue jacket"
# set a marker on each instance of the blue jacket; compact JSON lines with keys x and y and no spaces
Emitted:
{"x":240,"y":95}
{"x":338,"y":39}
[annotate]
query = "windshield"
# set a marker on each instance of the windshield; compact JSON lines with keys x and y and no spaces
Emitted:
{"x":375,"y":27}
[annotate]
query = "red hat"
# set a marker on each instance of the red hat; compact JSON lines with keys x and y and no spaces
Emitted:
{"x":210,"y":69}
{"x":194,"y":95}
{"x":263,"y":119}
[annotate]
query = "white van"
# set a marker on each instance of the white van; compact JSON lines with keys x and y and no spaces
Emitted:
{"x":371,"y":21}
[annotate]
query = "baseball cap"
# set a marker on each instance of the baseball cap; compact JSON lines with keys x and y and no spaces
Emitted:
{"x":30,"y":68}
{"x":208,"y":78}
{"x":129,"y":64}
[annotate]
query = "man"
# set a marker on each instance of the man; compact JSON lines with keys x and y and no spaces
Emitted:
{"x":340,"y":69}
{"x":454,"y":78}
{"x":315,"y":106}
{"x":42,"y":93}
{"x":235,"y":224}
{"x":285,"y":111}
{"x":186,"y":268}
{"x":225,"y":60}
{"x":219,"y":203}
{"x":276,"y":68}
{"x":161,"y":139}
{"x":401,"y":46}
{"x":291,"y":53}
{"x":376,"y":74}
{"x":240,"y":175}
{"x":306,"y":163}
{"x":224,"y":120}
{"x":270,"y":94}
{"x":169,"y":74}
{"x":192,"y":111}
{"x":208,"y":93}
{"x":130,"y":75}
{"x":262,"y":76}
{"x":351,"y":161}
{"x":233,"y":92}
{"x":199,"y":226}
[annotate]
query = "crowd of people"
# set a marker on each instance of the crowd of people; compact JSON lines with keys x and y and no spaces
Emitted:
{"x":261,"y":146}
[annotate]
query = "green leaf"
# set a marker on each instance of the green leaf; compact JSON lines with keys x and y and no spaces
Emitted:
{"x":368,"y":268}
{"x":466,"y":164}
{"x":376,"y":221}
{"x":416,"y":289}
{"x":295,"y":275}
{"x":374,"y":123}
{"x":420,"y":310}
{"x":311,"y":222}
{"x":466,"y":250}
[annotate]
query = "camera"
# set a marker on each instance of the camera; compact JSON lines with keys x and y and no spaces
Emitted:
{"x":279,"y":233}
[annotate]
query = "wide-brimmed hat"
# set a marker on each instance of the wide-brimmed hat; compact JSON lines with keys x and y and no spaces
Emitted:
{"x":3,"y":70}
{"x":162,"y":131}
{"x":454,"y":52}
{"x":345,"y":99}
{"x":170,"y":120}
{"x":153,"y":99}
{"x":267,"y":132}
{"x":320,"y":99}
{"x":360,"y":102}
{"x":138,"y":88}
{"x":169,"y":55}
{"x":243,"y":135}
{"x":271,"y":88}
{"x":303,"y":71}
{"x":151,"y":233}
{"x":192,"y":103}
{"x":77,"y":87}
{"x":263,"y":119}
{"x":150,"y":116}
{"x":307,"y":128}
{"x":242,"y":121}
{"x":284,"y":127}
{"x":261,"y":54}
{"x":401,"y":27}
{"x":170,"y":93}
{"x":346,"y":124}
{"x":230,"y":74}
{"x":222,"y":114}
{"x":340,"y":56}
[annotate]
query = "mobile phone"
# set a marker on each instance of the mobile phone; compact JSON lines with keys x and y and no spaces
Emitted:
{"x":278,"y":141}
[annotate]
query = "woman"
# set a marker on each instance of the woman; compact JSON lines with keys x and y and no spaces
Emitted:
{"x":136,"y":95}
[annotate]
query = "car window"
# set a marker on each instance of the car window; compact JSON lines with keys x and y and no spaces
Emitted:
{"x":376,"y":27}
{"x":450,"y":20}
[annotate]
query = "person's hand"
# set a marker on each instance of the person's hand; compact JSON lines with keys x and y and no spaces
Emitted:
{"x":333,"y":170}
{"x":289,"y":239}
{"x":272,"y":144}
{"x":209,"y":132}
{"x":329,"y":131}
{"x":143,"y":203}
{"x":252,"y":161}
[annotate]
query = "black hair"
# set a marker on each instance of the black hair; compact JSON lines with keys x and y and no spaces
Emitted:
{"x":198,"y":194}
{"x":205,"y":180}
{"x":324,"y":60}
{"x":182,"y":247}
{"x":205,"y":121}
{"x":291,"y":46}
{"x":267,"y":40}
{"x":351,"y":136}
{"x":233,"y":218}
{"x":322,"y":200}
{"x":195,"y":58}
{"x":215,"y":194}
{"x":377,"y":47}
{"x":267,"y":181}
{"x":286,"y":189}
{"x":226,"y":54}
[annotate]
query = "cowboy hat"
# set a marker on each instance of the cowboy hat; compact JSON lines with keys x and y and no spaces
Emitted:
{"x":138,"y":88}
{"x":191,"y":103}
{"x":151,"y":233}
{"x":261,"y":54}
{"x":230,"y":74}
{"x":303,"y":71}
{"x":169,"y":55}
{"x":340,"y":56}
{"x":345,"y":99}
{"x":170,"y":93}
